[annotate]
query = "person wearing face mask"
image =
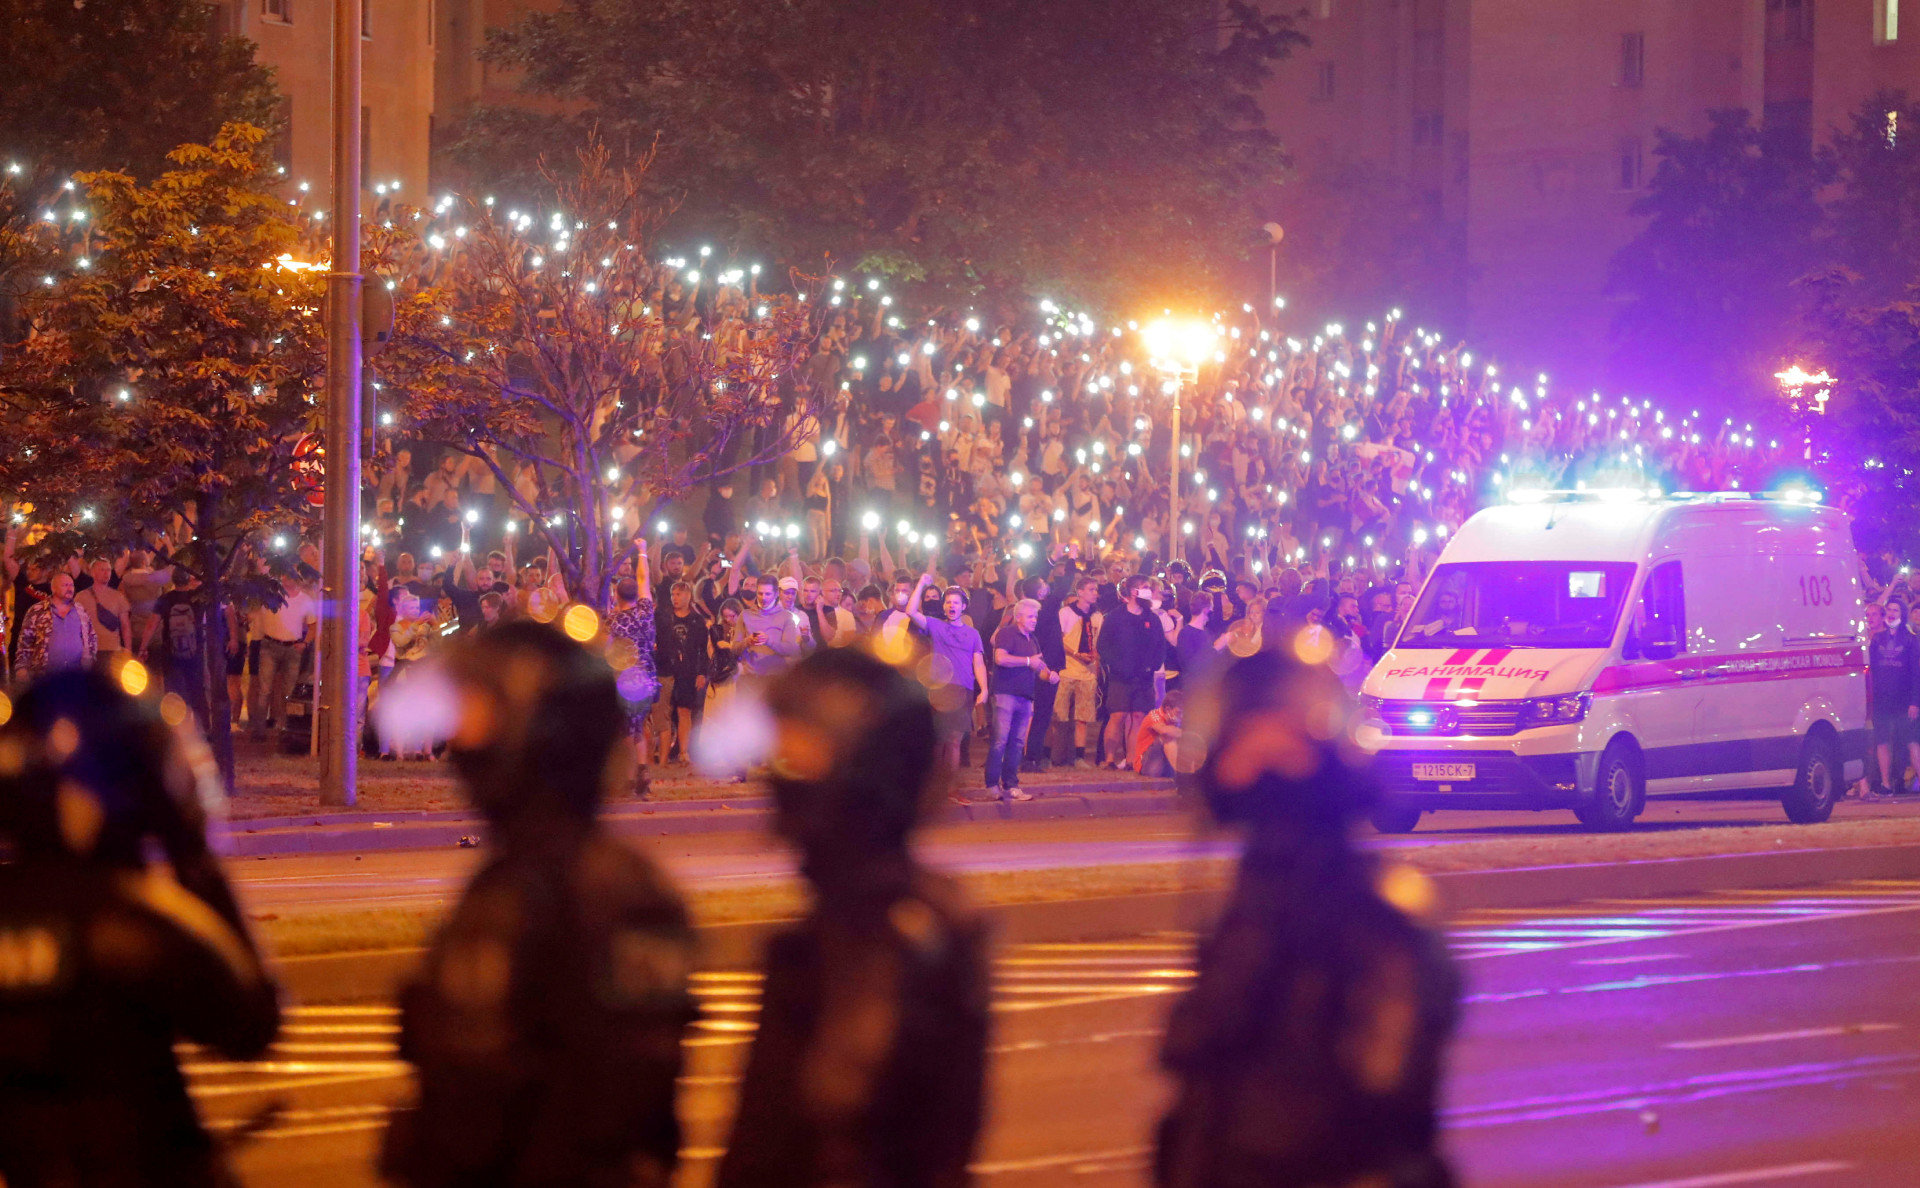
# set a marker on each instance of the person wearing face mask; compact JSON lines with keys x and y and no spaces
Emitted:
{"x":897,"y":641}
{"x":869,"y":1063}
{"x":545,"y":1021}
{"x":1893,"y":671}
{"x":1132,"y":644}
{"x":1309,"y":1049}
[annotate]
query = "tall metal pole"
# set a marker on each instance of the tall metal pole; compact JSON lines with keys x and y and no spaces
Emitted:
{"x":337,"y":716}
{"x":1174,"y":529}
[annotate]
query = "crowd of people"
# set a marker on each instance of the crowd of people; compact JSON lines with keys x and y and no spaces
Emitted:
{"x":996,"y":498}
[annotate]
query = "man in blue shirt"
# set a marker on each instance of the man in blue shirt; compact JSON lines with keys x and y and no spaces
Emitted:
{"x":959,"y":664}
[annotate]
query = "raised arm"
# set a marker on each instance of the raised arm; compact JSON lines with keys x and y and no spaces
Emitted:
{"x":739,"y":563}
{"x":914,"y":612}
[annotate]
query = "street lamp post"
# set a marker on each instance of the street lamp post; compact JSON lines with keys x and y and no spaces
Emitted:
{"x":1177,"y":348}
{"x":337,"y":704}
{"x":1275,"y":233}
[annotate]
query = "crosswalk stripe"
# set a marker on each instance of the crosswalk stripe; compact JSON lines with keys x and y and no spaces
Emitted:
{"x":345,"y":1044}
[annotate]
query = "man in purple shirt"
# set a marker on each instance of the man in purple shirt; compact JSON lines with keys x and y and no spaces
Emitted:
{"x":959,"y":664}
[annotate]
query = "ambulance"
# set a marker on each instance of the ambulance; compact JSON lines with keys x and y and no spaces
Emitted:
{"x":1585,"y":650}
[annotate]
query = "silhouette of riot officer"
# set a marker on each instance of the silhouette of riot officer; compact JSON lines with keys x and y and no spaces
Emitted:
{"x":106,"y":961}
{"x":1308,"y":1052}
{"x":545,"y":1022}
{"x":870,"y":1057}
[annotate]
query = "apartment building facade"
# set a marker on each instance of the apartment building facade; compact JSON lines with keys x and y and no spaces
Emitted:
{"x":1532,"y":124}
{"x":399,"y":39}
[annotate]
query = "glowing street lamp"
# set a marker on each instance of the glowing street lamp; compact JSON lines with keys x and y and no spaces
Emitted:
{"x":1177,"y":348}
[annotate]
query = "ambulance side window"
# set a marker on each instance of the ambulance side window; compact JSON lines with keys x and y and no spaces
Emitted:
{"x":1661,"y":627}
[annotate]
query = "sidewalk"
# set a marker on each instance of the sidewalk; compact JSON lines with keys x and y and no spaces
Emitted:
{"x":276,"y":806}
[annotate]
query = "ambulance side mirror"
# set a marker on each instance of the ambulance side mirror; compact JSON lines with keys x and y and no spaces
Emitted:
{"x":1662,"y":649}
{"x":1659,"y":644}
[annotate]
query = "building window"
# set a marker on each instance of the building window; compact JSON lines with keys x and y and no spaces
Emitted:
{"x":366,"y":145}
{"x":1426,"y":127}
{"x":279,"y":11}
{"x":1790,"y":22}
{"x":1886,"y":21}
{"x":1630,"y":163}
{"x":1633,"y":59}
{"x":1323,"y":81}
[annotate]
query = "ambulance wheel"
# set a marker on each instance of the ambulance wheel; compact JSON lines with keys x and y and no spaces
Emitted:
{"x":1618,"y":791}
{"x":1393,"y":817}
{"x":1810,"y":800}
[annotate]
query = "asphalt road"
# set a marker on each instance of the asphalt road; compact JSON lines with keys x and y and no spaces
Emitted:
{"x":1711,"y":1041}
{"x":425,"y":878}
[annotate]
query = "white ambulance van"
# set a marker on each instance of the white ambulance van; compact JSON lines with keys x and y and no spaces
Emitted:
{"x":1586,"y":650}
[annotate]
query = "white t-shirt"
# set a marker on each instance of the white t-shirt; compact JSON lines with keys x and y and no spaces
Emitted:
{"x":289,"y":623}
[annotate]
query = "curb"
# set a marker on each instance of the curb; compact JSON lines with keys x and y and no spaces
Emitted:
{"x":421,"y":829}
{"x":337,"y":977}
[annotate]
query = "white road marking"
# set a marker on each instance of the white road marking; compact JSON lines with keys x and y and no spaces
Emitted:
{"x":1772,"y":1037}
{"x":1630,"y":959}
{"x":1702,"y":931}
{"x":1759,"y":1175}
{"x":1048,"y":1162}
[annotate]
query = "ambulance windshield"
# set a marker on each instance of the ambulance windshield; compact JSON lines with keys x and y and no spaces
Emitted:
{"x":1519,"y":604}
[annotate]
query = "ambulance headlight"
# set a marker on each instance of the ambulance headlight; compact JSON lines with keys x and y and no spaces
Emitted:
{"x":1543,"y":711}
{"x":1370,"y":711}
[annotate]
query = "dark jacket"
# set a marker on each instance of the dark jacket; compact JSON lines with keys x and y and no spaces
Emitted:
{"x":869,"y":1067}
{"x":1893,"y":669}
{"x":1131,"y":646}
{"x":1308,"y":1051}
{"x":103,"y":972}
{"x":680,"y":644}
{"x":545,"y":1025}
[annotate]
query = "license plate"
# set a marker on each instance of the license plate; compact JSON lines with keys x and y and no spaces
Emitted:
{"x":1443,"y":771}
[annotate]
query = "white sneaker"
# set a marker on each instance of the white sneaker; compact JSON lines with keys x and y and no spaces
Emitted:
{"x":1017,"y":794}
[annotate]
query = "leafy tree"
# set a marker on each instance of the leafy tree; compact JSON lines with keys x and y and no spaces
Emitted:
{"x":1870,"y":433}
{"x":1873,"y":214}
{"x":172,"y":373}
{"x":540,"y":352}
{"x":116,"y":84}
{"x":1709,"y":283}
{"x":1087,"y":149}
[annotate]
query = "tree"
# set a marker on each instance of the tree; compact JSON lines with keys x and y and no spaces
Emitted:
{"x":1871,"y":429}
{"x":173,"y":371}
{"x":540,"y":353}
{"x":1709,"y":282}
{"x":1873,"y":216}
{"x":116,"y":84}
{"x":1087,"y":149}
